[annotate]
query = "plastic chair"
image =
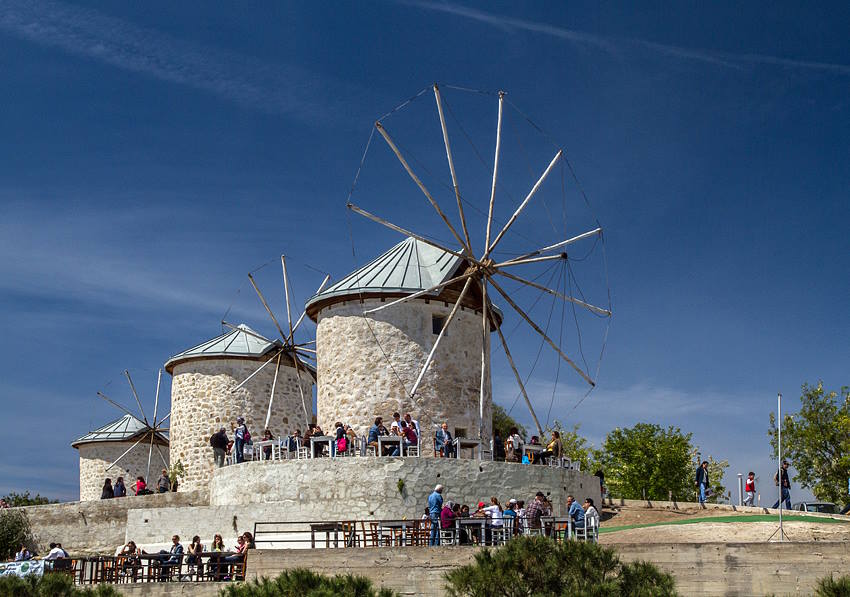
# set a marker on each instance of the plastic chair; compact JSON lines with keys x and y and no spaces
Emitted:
{"x":302,"y":451}
{"x":447,"y":536}
{"x":413,"y":450}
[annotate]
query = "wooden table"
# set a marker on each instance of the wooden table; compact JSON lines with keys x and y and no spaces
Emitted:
{"x":389,"y":439}
{"x":320,"y":439}
{"x":395,"y":525}
{"x":327,"y":528}
{"x":466,"y":442}
{"x":473,"y":524}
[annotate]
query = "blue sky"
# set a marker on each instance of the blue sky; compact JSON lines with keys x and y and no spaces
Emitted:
{"x":154,"y":154}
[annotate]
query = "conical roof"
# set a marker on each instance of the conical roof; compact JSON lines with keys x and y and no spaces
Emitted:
{"x":242,"y":342}
{"x":408,"y":267}
{"x":127,"y":428}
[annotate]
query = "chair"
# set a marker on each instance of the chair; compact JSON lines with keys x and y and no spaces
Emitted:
{"x":413,"y":450}
{"x":302,"y":451}
{"x":373,"y":536}
{"x":501,"y":535}
{"x":369,"y":450}
{"x":350,"y":536}
{"x":591,"y":531}
{"x":532,"y":531}
{"x":421,"y":531}
{"x":448,"y":536}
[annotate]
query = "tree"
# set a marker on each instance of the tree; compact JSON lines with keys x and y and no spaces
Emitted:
{"x":716,"y":470}
{"x":538,"y":566}
{"x":14,"y":531}
{"x":301,"y":582}
{"x":502,"y":422}
{"x":817,"y":441}
{"x":576,"y":447}
{"x":15,"y":499}
{"x":648,"y":462}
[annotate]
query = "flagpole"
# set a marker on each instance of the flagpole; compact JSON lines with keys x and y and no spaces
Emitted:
{"x":779,"y":459}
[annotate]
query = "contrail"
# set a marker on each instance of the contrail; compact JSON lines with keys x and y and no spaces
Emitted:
{"x":615,"y":45}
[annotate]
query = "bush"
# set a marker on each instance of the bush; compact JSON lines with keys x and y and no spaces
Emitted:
{"x":301,"y":582}
{"x":14,"y":531}
{"x":833,"y":587}
{"x":538,"y":566}
{"x":50,"y":585}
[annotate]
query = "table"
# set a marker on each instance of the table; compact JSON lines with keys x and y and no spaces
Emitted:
{"x":258,"y":448}
{"x":389,"y":439}
{"x":327,"y":528}
{"x":320,"y":439}
{"x":533,"y":451}
{"x":550,"y":525}
{"x":395,"y":525}
{"x":473,"y":524}
{"x":465,"y":442}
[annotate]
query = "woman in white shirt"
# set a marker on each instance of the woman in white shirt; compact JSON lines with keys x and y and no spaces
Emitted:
{"x":591,"y":515}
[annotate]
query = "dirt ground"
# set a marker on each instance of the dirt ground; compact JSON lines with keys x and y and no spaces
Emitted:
{"x":708,"y":532}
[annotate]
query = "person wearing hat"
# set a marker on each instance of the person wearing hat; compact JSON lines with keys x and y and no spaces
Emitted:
{"x":781,"y":479}
{"x":509,"y":516}
{"x":241,"y":436}
{"x":218,"y":441}
{"x":435,"y":507}
{"x":537,"y":509}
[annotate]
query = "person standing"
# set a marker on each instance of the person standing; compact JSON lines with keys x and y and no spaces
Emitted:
{"x":119,"y":489}
{"x":702,"y":480}
{"x":750,"y":489}
{"x":163,"y":485}
{"x":781,"y":480}
{"x":107,"y":492}
{"x":435,"y":507}
{"x":218,"y":441}
{"x":242,"y":436}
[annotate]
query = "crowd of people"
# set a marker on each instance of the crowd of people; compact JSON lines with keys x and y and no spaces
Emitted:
{"x":119,"y":489}
{"x":514,"y":514}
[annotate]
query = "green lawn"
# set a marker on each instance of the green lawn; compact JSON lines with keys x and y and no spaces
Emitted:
{"x":735,"y":518}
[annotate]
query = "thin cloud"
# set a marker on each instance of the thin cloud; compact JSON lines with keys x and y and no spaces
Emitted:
{"x":616,"y":46}
{"x":277,"y":89}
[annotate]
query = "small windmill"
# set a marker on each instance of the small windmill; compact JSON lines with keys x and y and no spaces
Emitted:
{"x":152,"y":429}
{"x":285,"y":346}
{"x":482,"y":269}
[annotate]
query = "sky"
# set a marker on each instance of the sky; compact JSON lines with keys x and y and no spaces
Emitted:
{"x":153,"y":154}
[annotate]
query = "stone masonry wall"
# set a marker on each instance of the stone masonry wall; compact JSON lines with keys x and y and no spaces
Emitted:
{"x":95,"y":457}
{"x":356,"y":383}
{"x":202,"y":402}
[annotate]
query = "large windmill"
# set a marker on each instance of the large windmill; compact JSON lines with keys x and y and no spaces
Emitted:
{"x":483,"y":271}
{"x":152,"y":430}
{"x":286,"y":346}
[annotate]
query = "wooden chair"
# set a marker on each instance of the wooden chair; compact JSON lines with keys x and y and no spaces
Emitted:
{"x":350,"y":536}
{"x":413,"y":450}
{"x":373,"y":538}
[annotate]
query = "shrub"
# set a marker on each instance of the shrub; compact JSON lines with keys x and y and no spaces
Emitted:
{"x":51,"y":585}
{"x":301,"y":582}
{"x":538,"y":566}
{"x":833,"y":587}
{"x":14,"y":531}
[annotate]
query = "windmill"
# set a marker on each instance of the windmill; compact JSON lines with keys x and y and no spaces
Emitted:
{"x":286,"y":346}
{"x":483,"y":270}
{"x":152,"y":428}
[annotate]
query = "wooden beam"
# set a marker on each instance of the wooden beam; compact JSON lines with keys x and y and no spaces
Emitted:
{"x":452,"y":166}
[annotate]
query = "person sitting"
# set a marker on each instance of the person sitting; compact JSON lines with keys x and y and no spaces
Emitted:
{"x":411,"y":421}
{"x":410,"y":437}
{"x":340,"y":443}
{"x":118,"y":489}
{"x":591,"y":515}
{"x":164,"y":483}
{"x":509,"y":515}
{"x":55,"y":552}
{"x":498,"y":447}
{"x":140,"y":487}
{"x":554,"y":449}
{"x":217,"y":548}
{"x":395,"y":426}
{"x":351,"y":436}
{"x":576,"y":512}
{"x":171,"y":558}
{"x":377,"y":430}
{"x":447,"y":516}
{"x":23,"y":555}
{"x":267,"y":450}
{"x":292,"y":441}
{"x":107,"y":492}
{"x":129,"y":561}
{"x":239,"y":556}
{"x":444,"y":443}
{"x":196,"y":548}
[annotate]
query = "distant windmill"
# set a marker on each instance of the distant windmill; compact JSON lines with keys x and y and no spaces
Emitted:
{"x":152,"y":427}
{"x":286,"y":345}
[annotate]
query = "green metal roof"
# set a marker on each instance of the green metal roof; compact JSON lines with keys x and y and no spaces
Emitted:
{"x":127,"y":428}
{"x":235,"y":343}
{"x":408,"y":267}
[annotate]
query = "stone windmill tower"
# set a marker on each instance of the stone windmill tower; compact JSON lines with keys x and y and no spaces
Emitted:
{"x":239,"y":373}
{"x":366,"y":366}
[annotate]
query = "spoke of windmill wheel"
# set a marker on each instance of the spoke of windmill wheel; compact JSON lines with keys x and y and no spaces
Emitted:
{"x":495,"y":171}
{"x":266,"y":305}
{"x":271,"y":397}
{"x":406,"y":232}
{"x":485,"y":324}
{"x":525,"y":201}
{"x":519,"y":380}
{"x":115,"y":404}
{"x":566,"y":297}
{"x":537,"y":329}
{"x":417,"y":294}
{"x":150,"y":453}
{"x":418,"y":182}
{"x":301,"y":348}
{"x":287,"y":339}
{"x":260,"y":368}
{"x":440,"y":336}
{"x":127,"y":451}
{"x":559,"y":245}
{"x":304,"y":312}
{"x":452,"y":166}
{"x":161,"y":457}
{"x":156,"y":398}
{"x":165,"y":418}
{"x":300,"y":389}
{"x":530,"y":260}
{"x":136,"y":396}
